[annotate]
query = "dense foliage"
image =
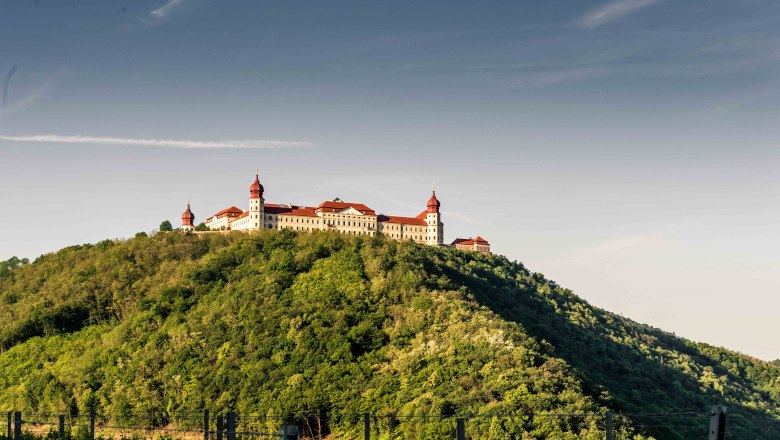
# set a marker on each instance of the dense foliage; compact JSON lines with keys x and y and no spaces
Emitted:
{"x":321,"y":328}
{"x":6,"y":267}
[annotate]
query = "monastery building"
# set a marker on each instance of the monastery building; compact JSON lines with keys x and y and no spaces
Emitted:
{"x":344,"y":217}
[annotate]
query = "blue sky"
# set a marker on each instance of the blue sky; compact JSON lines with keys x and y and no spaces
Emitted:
{"x":627,"y":149}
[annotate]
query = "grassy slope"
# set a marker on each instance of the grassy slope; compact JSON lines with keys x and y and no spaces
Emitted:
{"x":292,"y":325}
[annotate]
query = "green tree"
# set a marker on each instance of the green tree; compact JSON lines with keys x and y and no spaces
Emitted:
{"x":320,"y":328}
{"x":6,"y":267}
{"x":166,"y":226}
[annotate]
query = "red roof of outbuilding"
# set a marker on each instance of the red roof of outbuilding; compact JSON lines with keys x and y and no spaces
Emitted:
{"x":470,"y":241}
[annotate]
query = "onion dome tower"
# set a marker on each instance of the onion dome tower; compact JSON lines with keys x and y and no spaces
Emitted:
{"x":435,"y":236}
{"x":188,"y":219}
{"x":256,"y":189}
{"x":433,"y":203}
{"x":256,"y":203}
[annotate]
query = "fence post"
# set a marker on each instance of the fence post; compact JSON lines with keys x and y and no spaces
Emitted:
{"x":18,"y":425}
{"x":391,"y":424}
{"x":10,"y":422}
{"x":717,"y":422}
{"x":231,"y":426}
{"x":366,"y":426}
{"x":92,"y":422}
{"x":219,"y":427}
{"x":62,"y":426}
{"x":206,"y":425}
{"x":290,"y":432}
{"x":461,"y":428}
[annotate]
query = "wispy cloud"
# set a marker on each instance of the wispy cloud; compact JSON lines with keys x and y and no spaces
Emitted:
{"x":613,"y":10}
{"x":6,"y":83}
{"x":558,"y":76}
{"x":163,"y":11}
{"x":163,"y":143}
{"x":27,"y":100}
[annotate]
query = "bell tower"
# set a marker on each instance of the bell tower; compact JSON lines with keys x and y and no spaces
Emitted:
{"x":435,"y":236}
{"x":187,"y":219}
{"x":256,"y":204}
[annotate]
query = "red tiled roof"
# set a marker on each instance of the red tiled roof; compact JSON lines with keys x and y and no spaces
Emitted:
{"x":417,"y":221}
{"x":470,"y":241}
{"x":244,"y":214}
{"x":332,"y":206}
{"x":304,"y":211}
{"x":230,"y":212}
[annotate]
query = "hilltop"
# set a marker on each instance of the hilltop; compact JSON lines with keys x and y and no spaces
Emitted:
{"x":300,"y":324}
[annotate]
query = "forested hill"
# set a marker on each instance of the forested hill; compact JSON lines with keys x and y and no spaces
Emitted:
{"x":291,"y":325}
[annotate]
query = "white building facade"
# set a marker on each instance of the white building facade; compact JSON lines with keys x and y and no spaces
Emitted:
{"x":344,"y":217}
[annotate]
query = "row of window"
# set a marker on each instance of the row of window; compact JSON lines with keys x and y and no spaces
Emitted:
{"x":304,"y":228}
{"x":340,"y":222}
{"x":285,"y":219}
{"x":341,"y":216}
{"x":407,"y":228}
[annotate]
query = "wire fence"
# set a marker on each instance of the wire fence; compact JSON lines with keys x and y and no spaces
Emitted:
{"x":232,"y":426}
{"x":102,"y":426}
{"x":537,"y":425}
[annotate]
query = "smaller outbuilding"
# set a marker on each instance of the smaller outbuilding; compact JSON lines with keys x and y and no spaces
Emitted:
{"x":477,"y":243}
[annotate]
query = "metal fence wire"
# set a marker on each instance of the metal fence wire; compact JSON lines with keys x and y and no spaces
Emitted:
{"x":232,"y":426}
{"x":96,"y":425}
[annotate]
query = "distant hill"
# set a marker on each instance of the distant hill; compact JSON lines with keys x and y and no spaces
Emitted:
{"x":294,"y":325}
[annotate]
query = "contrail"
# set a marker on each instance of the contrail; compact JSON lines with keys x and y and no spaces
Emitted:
{"x":6,"y":81}
{"x":164,"y":143}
